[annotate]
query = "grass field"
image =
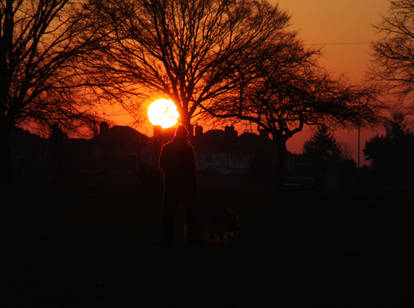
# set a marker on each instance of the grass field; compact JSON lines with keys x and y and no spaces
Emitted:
{"x":101,"y":248}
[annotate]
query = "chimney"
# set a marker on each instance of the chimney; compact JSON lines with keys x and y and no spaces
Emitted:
{"x":230,"y":131}
{"x":103,"y":128}
{"x":198,"y":131}
{"x":157,"y":131}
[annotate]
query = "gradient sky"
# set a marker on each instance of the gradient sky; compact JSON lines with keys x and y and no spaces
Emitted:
{"x":343,"y":29}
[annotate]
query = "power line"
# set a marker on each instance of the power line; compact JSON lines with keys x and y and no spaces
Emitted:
{"x":339,"y":43}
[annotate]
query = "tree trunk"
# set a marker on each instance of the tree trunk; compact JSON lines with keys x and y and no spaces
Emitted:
{"x":58,"y":151}
{"x":5,"y":156}
{"x":186,"y":121}
{"x":281,"y":156}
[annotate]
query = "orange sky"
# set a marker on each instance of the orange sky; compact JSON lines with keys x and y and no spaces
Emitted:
{"x":338,"y":22}
{"x":344,"y":29}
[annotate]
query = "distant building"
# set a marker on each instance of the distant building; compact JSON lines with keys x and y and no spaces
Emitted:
{"x":118,"y":155}
{"x":31,"y":157}
{"x":122,"y":156}
{"x":224,"y":152}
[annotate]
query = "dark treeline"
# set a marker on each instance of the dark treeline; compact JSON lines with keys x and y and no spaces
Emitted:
{"x":121,"y":156}
{"x":391,"y":156}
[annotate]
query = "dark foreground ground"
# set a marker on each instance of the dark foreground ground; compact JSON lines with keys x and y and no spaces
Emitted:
{"x":101,"y":248}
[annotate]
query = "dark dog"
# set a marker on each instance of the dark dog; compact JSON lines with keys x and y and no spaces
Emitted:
{"x":214,"y":226}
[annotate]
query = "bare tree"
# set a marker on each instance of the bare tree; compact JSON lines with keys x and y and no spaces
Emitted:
{"x":190,"y":51}
{"x":40,"y":42}
{"x":293,"y":91}
{"x":393,"y":53}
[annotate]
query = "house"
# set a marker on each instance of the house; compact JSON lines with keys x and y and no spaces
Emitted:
{"x":118,"y":156}
{"x":122,"y":156}
{"x":228,"y":160}
{"x":224,"y":152}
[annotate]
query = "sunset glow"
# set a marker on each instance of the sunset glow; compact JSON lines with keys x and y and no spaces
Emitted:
{"x":163,"y":112}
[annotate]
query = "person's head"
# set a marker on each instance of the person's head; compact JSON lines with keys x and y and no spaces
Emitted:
{"x":181,"y":133}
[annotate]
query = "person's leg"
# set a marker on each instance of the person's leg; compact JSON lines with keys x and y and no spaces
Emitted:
{"x":168,"y":218}
{"x":192,"y":228}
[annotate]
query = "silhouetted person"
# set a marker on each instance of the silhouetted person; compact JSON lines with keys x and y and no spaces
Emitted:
{"x":177,"y":163}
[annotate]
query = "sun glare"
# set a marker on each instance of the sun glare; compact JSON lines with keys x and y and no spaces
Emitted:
{"x":163,"y":112}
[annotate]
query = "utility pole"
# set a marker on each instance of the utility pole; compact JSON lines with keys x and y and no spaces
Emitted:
{"x":359,"y":146}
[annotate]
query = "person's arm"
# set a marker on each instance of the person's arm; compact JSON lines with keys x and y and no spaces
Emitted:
{"x":161,"y":161}
{"x":193,"y":165}
{"x":193,"y":162}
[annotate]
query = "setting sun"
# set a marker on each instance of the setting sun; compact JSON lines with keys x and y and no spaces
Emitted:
{"x":163,"y":112}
